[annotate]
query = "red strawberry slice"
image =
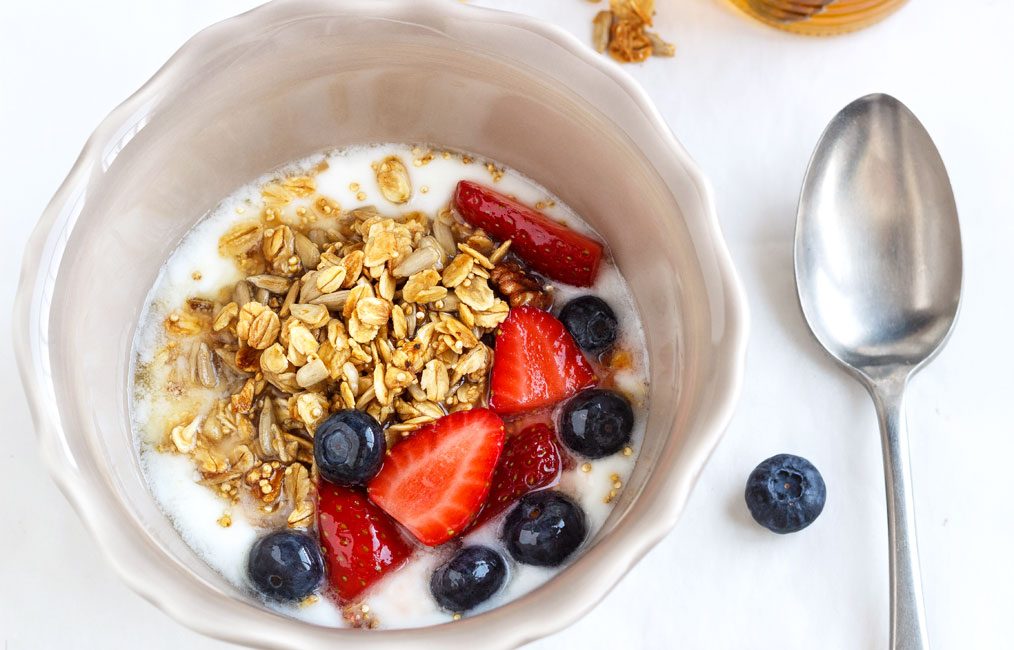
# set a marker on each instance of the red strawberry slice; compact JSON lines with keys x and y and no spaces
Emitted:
{"x":360,"y":542}
{"x":530,"y":460}
{"x":548,"y":246}
{"x":537,"y":363}
{"x":434,"y":482}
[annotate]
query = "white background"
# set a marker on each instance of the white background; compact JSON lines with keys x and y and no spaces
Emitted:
{"x":749,"y":103}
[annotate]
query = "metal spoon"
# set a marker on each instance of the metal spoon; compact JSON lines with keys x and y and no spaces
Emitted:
{"x":878,"y":271}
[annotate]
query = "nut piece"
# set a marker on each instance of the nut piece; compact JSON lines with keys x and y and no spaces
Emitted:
{"x":184,"y":437}
{"x":519,"y":287}
{"x":392,"y":177}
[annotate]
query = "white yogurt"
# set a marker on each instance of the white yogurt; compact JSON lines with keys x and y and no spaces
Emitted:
{"x":402,"y":598}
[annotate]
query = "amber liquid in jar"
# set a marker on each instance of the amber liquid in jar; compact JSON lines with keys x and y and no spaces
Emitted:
{"x":819,"y":17}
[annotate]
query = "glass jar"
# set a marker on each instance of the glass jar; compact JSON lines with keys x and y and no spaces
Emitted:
{"x":819,"y":17}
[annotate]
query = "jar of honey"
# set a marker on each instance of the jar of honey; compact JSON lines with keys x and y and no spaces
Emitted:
{"x":819,"y":17}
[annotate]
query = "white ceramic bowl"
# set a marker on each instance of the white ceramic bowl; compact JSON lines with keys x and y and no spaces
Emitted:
{"x":297,"y":76}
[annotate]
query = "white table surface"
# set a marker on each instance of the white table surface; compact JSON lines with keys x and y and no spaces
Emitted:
{"x":749,"y":103}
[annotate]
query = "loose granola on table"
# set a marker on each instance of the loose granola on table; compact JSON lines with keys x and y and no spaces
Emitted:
{"x":622,"y":31}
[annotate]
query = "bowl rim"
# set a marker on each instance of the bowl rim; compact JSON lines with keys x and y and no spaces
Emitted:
{"x":729,"y":351}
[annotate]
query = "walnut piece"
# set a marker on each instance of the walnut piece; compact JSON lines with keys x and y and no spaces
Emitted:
{"x":519,"y":287}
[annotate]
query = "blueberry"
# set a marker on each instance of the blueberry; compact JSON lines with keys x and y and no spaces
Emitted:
{"x":596,"y":423}
{"x":285,"y":565}
{"x":785,"y":493}
{"x":544,"y":529}
{"x":591,"y":322}
{"x":470,"y":577}
{"x":349,"y":448}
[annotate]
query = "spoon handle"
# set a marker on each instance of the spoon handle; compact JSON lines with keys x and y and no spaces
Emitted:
{"x":908,"y":616}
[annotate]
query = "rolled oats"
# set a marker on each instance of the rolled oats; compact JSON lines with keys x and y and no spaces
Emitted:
{"x":301,"y":344}
{"x":418,"y":283}
{"x":264,"y":330}
{"x":373,"y":311}
{"x":458,"y":270}
{"x":225,"y":316}
{"x":239,"y":239}
{"x":247,"y":313}
{"x":476,"y":255}
{"x":393,"y":180}
{"x":330,"y":279}
{"x":273,"y":360}
{"x":435,"y":380}
{"x":475,"y":293}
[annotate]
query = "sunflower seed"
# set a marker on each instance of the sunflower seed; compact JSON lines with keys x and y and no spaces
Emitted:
{"x":419,"y":260}
{"x":307,"y":251}
{"x":205,"y":366}
{"x":272,"y":283}
{"x":334,"y":301}
{"x":241,"y":294}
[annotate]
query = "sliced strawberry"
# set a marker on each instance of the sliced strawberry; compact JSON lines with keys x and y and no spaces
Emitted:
{"x":434,"y":482}
{"x":530,"y":460}
{"x":537,"y":363}
{"x":360,"y":542}
{"x":549,"y":247}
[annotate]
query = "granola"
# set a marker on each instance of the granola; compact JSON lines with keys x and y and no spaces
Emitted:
{"x":338,"y":309}
{"x":623,"y":32}
{"x":323,"y":302}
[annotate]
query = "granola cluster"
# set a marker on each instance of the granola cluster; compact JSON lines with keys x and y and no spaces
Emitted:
{"x":337,"y":310}
{"x":622,"y":30}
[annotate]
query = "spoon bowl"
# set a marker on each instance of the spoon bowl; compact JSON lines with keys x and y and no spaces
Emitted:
{"x":878,"y":271}
{"x":878,"y":248}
